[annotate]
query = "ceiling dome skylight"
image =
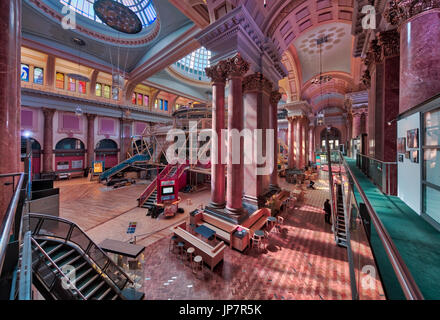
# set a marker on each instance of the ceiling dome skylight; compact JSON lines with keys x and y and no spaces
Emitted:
{"x":144,"y":9}
{"x":193,"y":65}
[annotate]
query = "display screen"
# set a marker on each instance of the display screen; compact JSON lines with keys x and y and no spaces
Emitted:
{"x":167,"y":190}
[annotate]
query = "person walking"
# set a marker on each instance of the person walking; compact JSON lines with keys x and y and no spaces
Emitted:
{"x":328,"y":211}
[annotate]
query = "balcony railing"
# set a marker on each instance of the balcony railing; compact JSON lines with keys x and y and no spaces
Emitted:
{"x":383,"y":174}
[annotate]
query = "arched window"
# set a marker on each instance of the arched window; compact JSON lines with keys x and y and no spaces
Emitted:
{"x":106,"y":144}
{"x":71,"y":144}
{"x":334,"y":138}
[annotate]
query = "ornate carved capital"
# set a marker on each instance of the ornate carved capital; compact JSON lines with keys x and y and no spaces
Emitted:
{"x":366,"y":78}
{"x":275,"y":97}
{"x":236,"y":66}
{"x":257,"y":82}
{"x":399,"y":11}
{"x":218,"y":73}
{"x":48,"y":113}
{"x":389,"y":41}
{"x":374,"y":53}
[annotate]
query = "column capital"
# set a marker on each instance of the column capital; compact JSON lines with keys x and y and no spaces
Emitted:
{"x":257,"y":82}
{"x":48,"y":112}
{"x":400,"y":11}
{"x":389,"y":41}
{"x":90,"y":116}
{"x":236,"y":66}
{"x":366,"y":79}
{"x":218,"y":73}
{"x":275,"y":97}
{"x":374,"y":53}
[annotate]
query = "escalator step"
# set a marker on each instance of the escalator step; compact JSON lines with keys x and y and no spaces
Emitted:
{"x":63,"y":256}
{"x":83,"y":275}
{"x":94,"y":289}
{"x":104,"y":293}
{"x":87,"y":281}
{"x":53,"y":250}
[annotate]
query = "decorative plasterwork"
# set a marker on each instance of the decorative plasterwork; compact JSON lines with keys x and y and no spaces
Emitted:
{"x":257,"y":82}
{"x":142,"y":39}
{"x":399,"y":11}
{"x":237,"y":32}
{"x":390,"y":43}
{"x":298,"y":108}
{"x":275,"y":97}
{"x":236,"y":66}
{"x":366,"y":78}
{"x":357,"y":99}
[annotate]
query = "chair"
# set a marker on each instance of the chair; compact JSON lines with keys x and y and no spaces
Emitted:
{"x":172,"y":244}
{"x":256,"y":241}
{"x":197,"y":264}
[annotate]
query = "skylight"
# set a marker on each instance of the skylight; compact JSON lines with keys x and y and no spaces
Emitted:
{"x":194,"y":64}
{"x":144,"y":9}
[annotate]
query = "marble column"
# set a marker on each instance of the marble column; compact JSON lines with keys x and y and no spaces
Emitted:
{"x":126,"y":127}
{"x":291,"y":143}
{"x":357,"y":126}
{"x":311,"y":142}
{"x":274,"y":99}
{"x":217,"y":74}
{"x":10,"y":56}
{"x":297,"y":146}
{"x":48,"y":140}
{"x":303,"y":143}
{"x":90,"y":139}
{"x":256,"y":99}
{"x":419,"y":28}
{"x":236,"y":69}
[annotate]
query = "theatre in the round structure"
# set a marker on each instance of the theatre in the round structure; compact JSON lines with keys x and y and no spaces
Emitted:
{"x":219,"y":150}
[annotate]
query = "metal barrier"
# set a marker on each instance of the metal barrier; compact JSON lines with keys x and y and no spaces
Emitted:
{"x":401,"y":271}
{"x":383,"y":174}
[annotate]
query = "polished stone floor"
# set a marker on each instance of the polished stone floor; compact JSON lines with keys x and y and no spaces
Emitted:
{"x":301,"y":262}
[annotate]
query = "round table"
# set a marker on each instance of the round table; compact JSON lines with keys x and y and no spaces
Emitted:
{"x":259,"y":233}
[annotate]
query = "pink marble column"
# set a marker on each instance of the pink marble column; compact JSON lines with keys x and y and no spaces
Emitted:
{"x":237,"y":67}
{"x":256,"y":98}
{"x":90,"y":139}
{"x":357,"y":126}
{"x":274,"y":99}
{"x":311,"y":143}
{"x":291,"y":143}
{"x":218,"y":76}
{"x":297,"y":149}
{"x":48,"y":140}
{"x":303,"y":143}
{"x":10,"y":39}
{"x":419,"y":50}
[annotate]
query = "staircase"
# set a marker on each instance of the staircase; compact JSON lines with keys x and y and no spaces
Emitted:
{"x":151,"y":200}
{"x":123,"y":165}
{"x":68,"y":265}
{"x":339,"y":224}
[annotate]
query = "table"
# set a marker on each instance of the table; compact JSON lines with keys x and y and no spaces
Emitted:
{"x":205,"y":232}
{"x":259,"y":233}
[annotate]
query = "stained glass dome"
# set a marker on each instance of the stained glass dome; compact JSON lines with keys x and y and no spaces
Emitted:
{"x":144,"y":9}
{"x":194,"y":64}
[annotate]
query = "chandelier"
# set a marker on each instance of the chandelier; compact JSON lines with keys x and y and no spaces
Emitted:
{"x":322,"y":78}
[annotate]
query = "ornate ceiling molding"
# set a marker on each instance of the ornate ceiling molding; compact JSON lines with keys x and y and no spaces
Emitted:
{"x":400,"y":11}
{"x":142,"y":39}
{"x":257,"y":82}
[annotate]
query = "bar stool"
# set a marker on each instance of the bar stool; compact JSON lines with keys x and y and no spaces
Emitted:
{"x":180,"y":246}
{"x":197,"y":264}
{"x":172,"y":244}
{"x":257,"y":240}
{"x":189,"y":254}
{"x":279,"y":223}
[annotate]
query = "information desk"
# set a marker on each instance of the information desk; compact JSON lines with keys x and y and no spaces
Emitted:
{"x":130,"y":258}
{"x":205,"y":232}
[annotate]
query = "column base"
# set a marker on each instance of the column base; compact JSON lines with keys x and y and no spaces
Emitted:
{"x":235,"y":217}
{"x":217,"y":205}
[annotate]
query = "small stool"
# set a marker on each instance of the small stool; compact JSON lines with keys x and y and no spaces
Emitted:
{"x":172,"y":244}
{"x":180,"y":247}
{"x":189,"y":254}
{"x":280,"y":222}
{"x":197,"y":264}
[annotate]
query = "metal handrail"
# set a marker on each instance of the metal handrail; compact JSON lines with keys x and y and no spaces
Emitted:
{"x":407,"y":282}
{"x":57,"y":268}
{"x":25,"y":280}
{"x":5,"y":229}
{"x":67,"y":238}
{"x":371,"y":158}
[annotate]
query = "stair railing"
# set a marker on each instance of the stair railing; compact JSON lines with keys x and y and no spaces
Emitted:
{"x":404,"y":277}
{"x":68,"y":282}
{"x":69,"y":232}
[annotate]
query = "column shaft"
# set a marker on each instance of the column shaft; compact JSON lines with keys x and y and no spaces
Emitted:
{"x":275,"y":97}
{"x":90,"y":139}
{"x":291,"y":143}
{"x":48,"y":140}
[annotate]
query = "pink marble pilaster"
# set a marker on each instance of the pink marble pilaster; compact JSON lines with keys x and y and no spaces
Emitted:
{"x":291,"y":143}
{"x":274,"y":99}
{"x":218,"y":76}
{"x":90,"y":139}
{"x":48,"y":140}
